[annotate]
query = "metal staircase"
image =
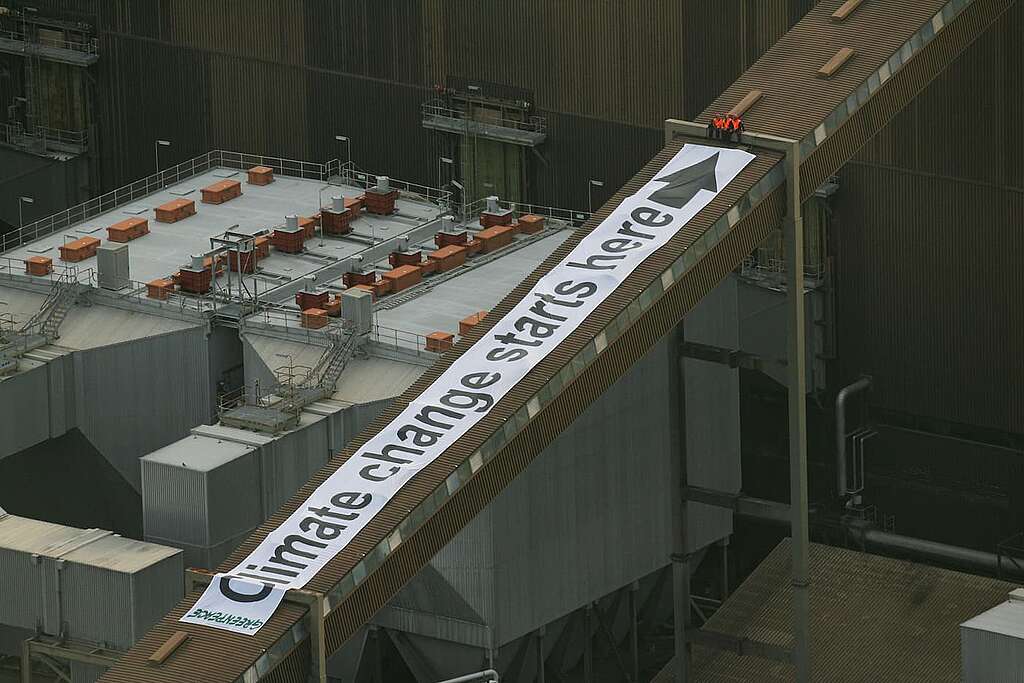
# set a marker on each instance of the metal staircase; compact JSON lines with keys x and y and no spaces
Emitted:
{"x":46,"y":322}
{"x":328,"y":369}
{"x":296,"y":386}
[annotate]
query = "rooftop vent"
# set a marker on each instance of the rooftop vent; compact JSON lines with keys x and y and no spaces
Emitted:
{"x":383,"y":183}
{"x":337,"y":204}
{"x":492,"y":204}
{"x":291,"y":222}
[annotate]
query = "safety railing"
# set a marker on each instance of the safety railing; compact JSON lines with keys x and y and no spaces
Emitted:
{"x":401,"y":342}
{"x":197,"y":166}
{"x":88,"y":46}
{"x":16,"y":134}
{"x":364,"y":181}
{"x":530,"y":124}
{"x":571,"y":217}
{"x":109,"y":201}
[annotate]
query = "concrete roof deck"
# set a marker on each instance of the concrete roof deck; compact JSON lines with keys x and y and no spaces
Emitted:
{"x":440,"y":302}
{"x":169,"y":246}
{"x":94,"y":326}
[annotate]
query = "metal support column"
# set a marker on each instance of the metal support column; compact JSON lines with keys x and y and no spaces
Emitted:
{"x":793,"y":235}
{"x":588,"y":643}
{"x":797,"y":371}
{"x":634,"y":627}
{"x":540,"y":655}
{"x":26,"y":662}
{"x":724,"y":544}
{"x":680,"y":553}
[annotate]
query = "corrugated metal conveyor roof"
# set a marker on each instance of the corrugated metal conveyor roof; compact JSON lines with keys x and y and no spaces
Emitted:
{"x":900,"y":47}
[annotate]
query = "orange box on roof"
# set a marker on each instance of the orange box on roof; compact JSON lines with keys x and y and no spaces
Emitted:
{"x":382,"y":287}
{"x":79,"y":250}
{"x":530,"y":224}
{"x":160,"y":288}
{"x":367,"y":288}
{"x":128,"y":229}
{"x":495,"y":238}
{"x":262,"y":246}
{"x":314,"y":318}
{"x":221,"y":192}
{"x":38,"y":265}
{"x":466,"y":324}
{"x":448,"y":258}
{"x":333,"y":307}
{"x":439,"y":342}
{"x":175,"y":210}
{"x":403,"y":277}
{"x":403,"y":258}
{"x":446,"y":239}
{"x":473,"y":247}
{"x":261,"y":175}
{"x":308,"y":226}
{"x":305,"y":299}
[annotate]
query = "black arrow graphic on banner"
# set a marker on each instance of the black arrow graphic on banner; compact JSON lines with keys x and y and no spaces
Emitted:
{"x":684,"y":184}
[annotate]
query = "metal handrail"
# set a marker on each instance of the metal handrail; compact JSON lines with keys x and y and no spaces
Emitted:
{"x":90,"y":47}
{"x":533,"y":124}
{"x":189,"y":169}
{"x":571,"y":216}
{"x":364,"y":180}
{"x":9,"y":132}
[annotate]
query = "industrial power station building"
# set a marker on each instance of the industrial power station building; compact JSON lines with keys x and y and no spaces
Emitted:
{"x":683,"y":489}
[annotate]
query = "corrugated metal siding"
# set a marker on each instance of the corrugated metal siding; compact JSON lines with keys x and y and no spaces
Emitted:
{"x":97,"y":604}
{"x":946,"y":131}
{"x":24,"y":409}
{"x":155,"y":590}
{"x":722,"y":38}
{"x":174,"y":504}
{"x":271,"y":30}
{"x":579,"y":149}
{"x":377,"y":38}
{"x":21,"y":607}
{"x":929,"y":292}
{"x":137,"y":396}
{"x":150,"y":91}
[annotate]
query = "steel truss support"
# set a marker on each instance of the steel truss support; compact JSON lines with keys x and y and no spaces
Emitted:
{"x":796,"y":370}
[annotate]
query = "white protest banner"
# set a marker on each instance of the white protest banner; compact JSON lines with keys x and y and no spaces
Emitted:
{"x":339,"y":508}
{"x":233,"y":604}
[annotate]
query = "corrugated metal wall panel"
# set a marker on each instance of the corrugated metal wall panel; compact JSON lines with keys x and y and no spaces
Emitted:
{"x":149,"y":91}
{"x":24,"y":409}
{"x":579,"y":149}
{"x":377,"y":38}
{"x":271,"y":30}
{"x":620,"y":61}
{"x":962,"y":124}
{"x":175,"y":504}
{"x":929,"y":293}
{"x":138,"y":396}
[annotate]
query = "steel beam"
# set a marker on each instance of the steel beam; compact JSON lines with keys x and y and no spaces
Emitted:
{"x":796,"y":370}
{"x":740,"y":646}
{"x":738,"y":503}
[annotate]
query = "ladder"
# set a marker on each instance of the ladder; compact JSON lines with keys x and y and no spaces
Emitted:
{"x":51,"y":314}
{"x":327,"y":371}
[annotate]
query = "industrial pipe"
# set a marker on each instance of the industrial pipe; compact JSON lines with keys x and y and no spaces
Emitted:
{"x":486,"y":676}
{"x":957,"y":556}
{"x":844,"y":393}
{"x":966,"y":558}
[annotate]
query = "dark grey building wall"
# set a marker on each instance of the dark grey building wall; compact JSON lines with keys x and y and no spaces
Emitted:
{"x":930,"y":242}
